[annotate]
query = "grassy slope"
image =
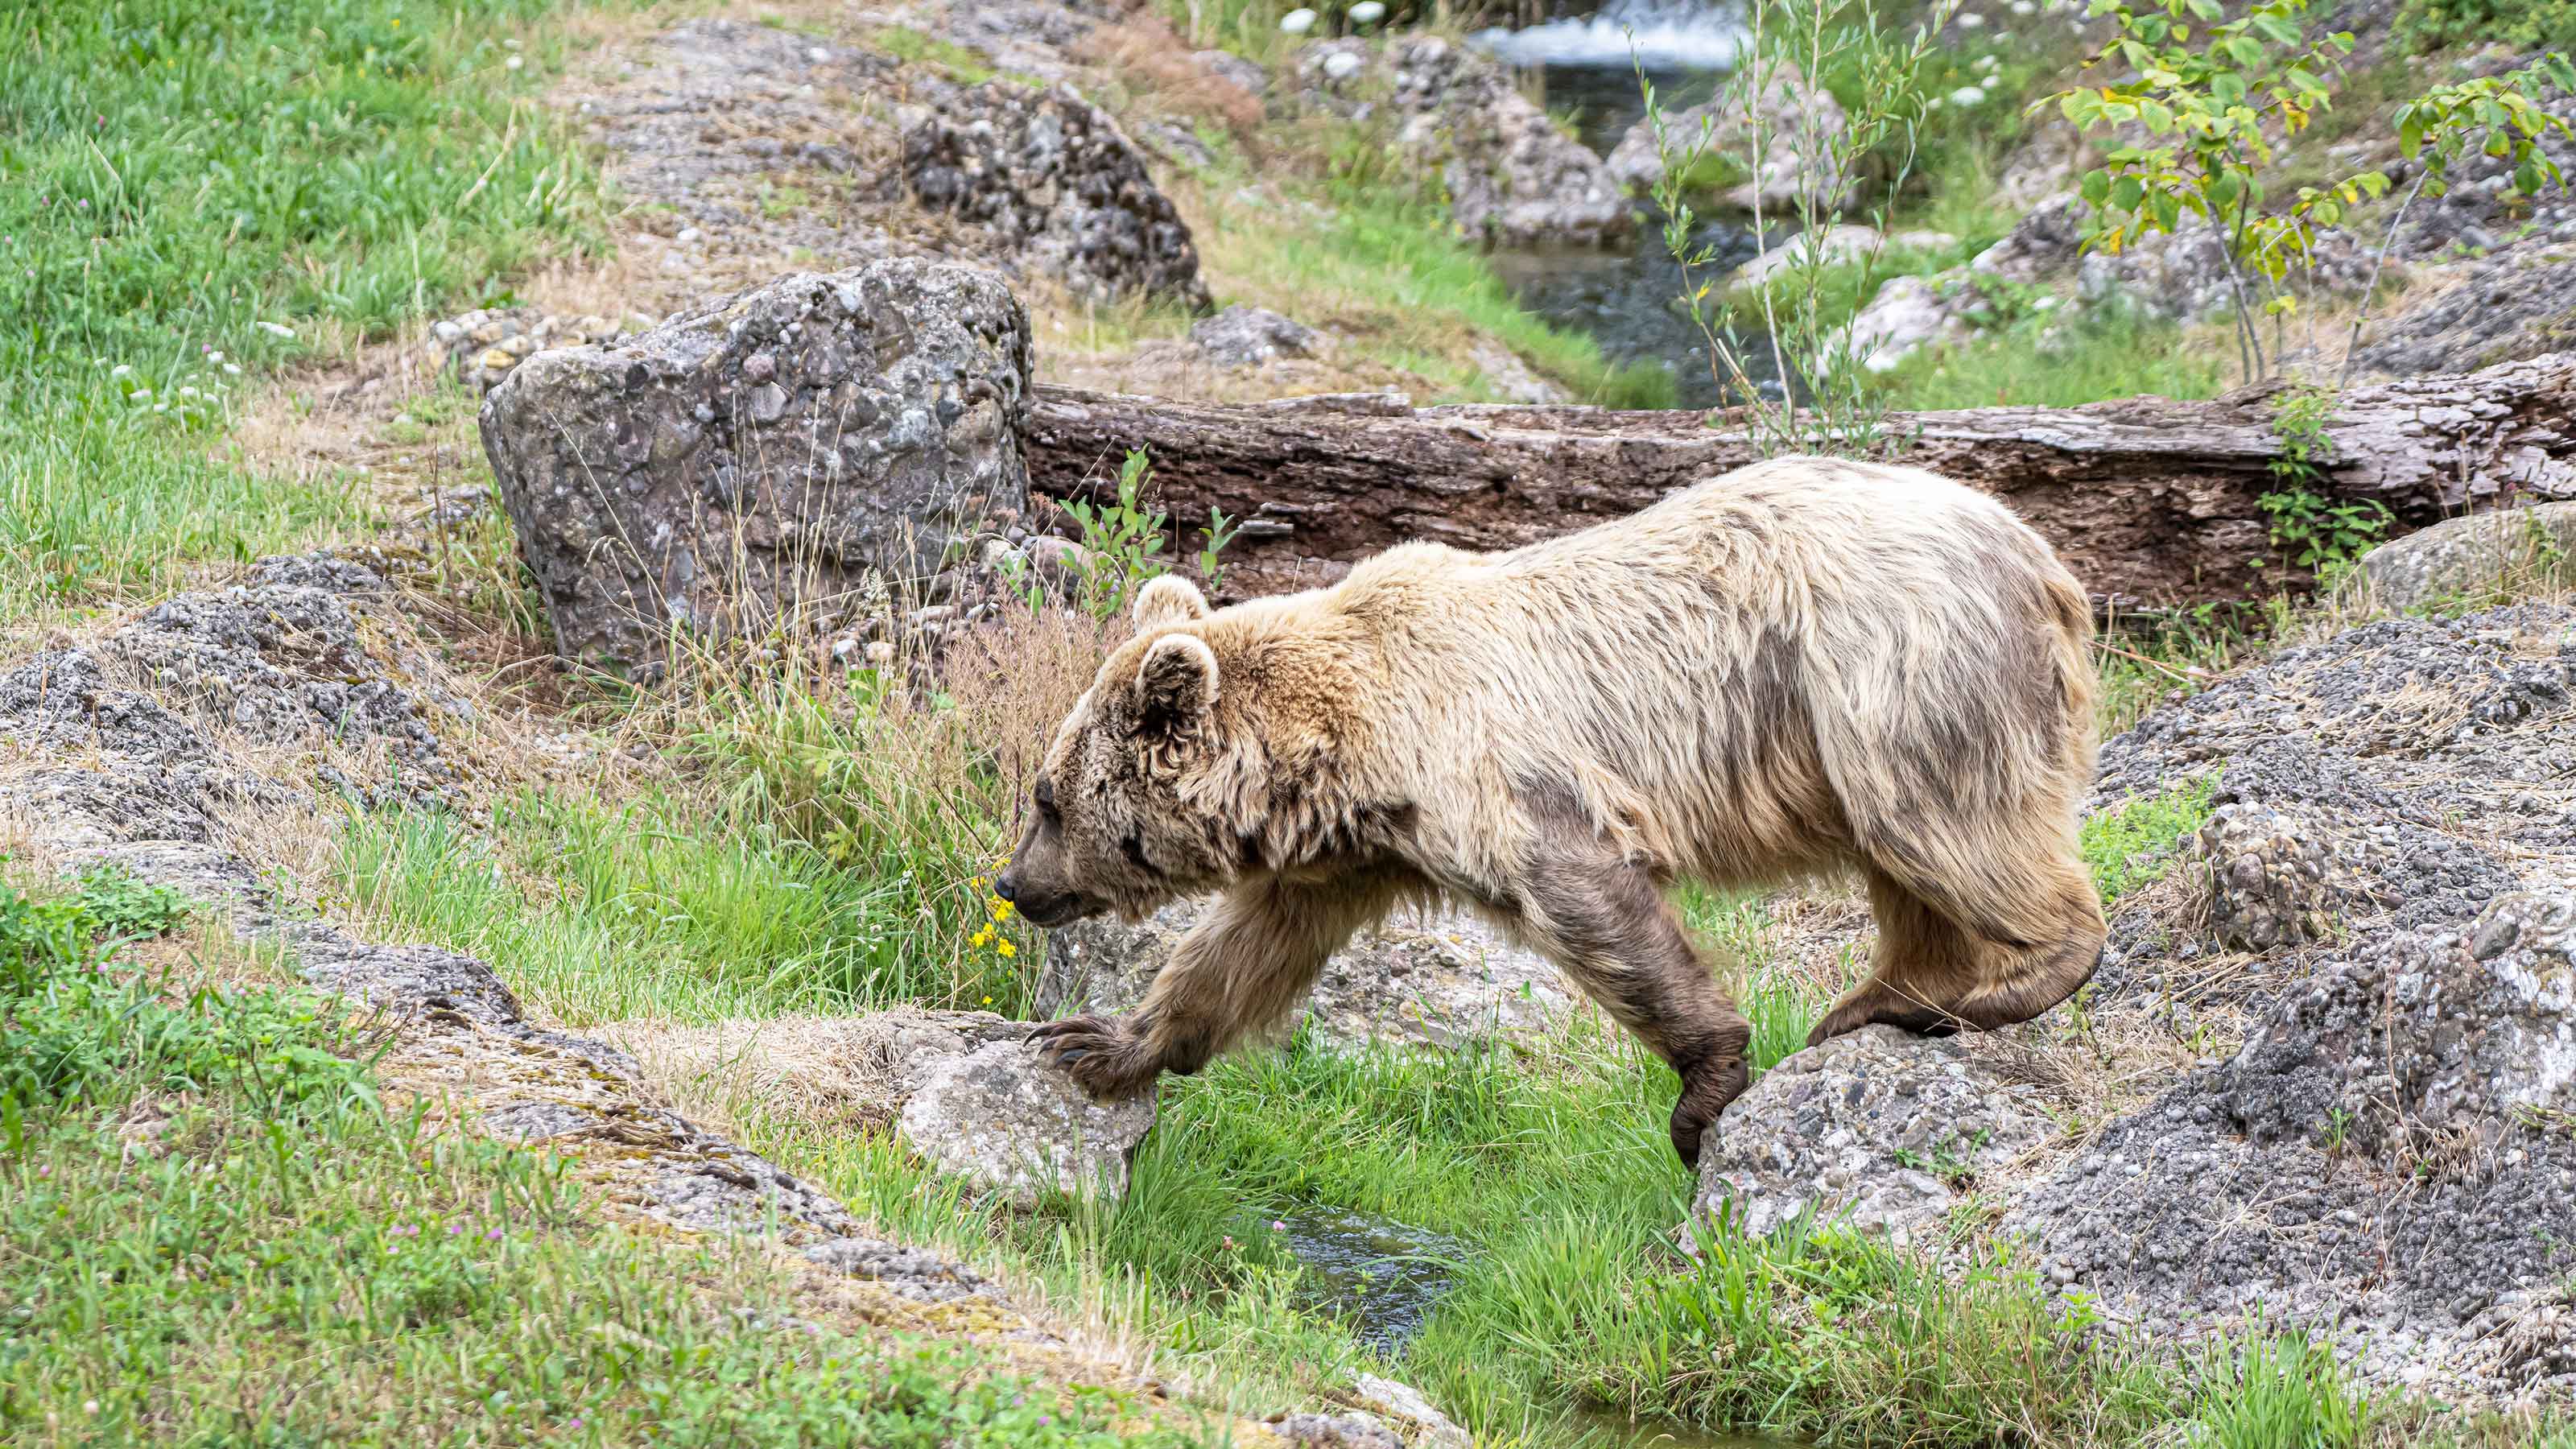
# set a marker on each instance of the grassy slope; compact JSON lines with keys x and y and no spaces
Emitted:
{"x":259,"y":179}
{"x":212,"y":1231}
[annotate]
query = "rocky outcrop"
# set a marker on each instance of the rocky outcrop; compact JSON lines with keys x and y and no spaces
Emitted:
{"x":205,"y":728}
{"x":2386,"y":1160}
{"x":1019,"y":1127}
{"x":2471,"y":558}
{"x":1513,"y":179}
{"x":1877,"y":1130}
{"x":806,"y":441}
{"x":1250,"y":336}
{"x":2519,"y":304}
{"x":2373,"y":932}
{"x":1056,"y":182}
{"x":1442,"y":983}
{"x":134,"y":737}
{"x":1798,"y":125}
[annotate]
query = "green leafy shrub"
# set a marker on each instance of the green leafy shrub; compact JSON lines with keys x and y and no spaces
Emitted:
{"x":2429,"y":25}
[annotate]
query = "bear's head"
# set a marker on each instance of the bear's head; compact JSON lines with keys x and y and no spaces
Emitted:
{"x":1131,"y":807}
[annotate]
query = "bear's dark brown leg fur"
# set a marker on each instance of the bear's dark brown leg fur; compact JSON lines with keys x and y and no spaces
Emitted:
{"x":1245,"y":965}
{"x":1604,"y":920}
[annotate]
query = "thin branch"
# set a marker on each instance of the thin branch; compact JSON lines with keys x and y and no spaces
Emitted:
{"x":2352,"y":346}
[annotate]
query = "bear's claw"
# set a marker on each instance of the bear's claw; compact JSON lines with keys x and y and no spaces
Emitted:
{"x":1101,"y":1053}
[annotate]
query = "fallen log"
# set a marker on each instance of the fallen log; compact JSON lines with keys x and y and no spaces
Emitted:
{"x":2152,"y":502}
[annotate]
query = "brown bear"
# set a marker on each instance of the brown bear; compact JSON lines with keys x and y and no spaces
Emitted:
{"x":1804,"y":665}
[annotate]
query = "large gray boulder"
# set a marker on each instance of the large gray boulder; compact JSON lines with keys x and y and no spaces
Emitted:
{"x":1019,"y":1127}
{"x":1879,"y":1130}
{"x":2468,"y":559}
{"x":785,"y":446}
{"x":1441,"y":983}
{"x":1056,"y":181}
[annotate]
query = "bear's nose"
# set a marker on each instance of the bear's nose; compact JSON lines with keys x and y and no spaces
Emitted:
{"x":1002,"y":887}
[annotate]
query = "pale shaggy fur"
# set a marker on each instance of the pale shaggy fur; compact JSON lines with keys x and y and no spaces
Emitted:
{"x":1802,"y":665}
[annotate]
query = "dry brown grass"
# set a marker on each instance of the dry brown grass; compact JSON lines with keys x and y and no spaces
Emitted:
{"x":1153,"y":63}
{"x":829,"y":1073}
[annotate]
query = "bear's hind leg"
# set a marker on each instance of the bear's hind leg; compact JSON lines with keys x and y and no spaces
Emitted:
{"x":1934,"y":976}
{"x":1924,"y":962}
{"x":1607,"y":924}
{"x":1244,"y":965}
{"x":2018,"y":981}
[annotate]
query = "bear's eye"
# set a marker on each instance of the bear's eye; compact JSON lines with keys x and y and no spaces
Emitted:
{"x":1046,"y":797}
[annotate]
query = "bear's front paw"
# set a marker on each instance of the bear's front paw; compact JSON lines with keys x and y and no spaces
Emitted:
{"x":1706,"y":1092}
{"x":1105,"y":1055}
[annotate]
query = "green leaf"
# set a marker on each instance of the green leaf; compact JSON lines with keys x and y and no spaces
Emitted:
{"x":2126,"y":192}
{"x":2096,"y":187}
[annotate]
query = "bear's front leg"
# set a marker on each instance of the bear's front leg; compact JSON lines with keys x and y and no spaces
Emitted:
{"x":1603,"y":919}
{"x":1246,"y":964}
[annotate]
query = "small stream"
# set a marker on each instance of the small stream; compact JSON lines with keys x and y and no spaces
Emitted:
{"x":1384,"y":1278}
{"x":1626,"y":299}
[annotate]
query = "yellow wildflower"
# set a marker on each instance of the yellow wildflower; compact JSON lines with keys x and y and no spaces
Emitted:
{"x":1006,"y":948}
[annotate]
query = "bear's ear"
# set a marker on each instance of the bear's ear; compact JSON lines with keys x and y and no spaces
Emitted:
{"x":1176,"y":683}
{"x":1168,"y":599}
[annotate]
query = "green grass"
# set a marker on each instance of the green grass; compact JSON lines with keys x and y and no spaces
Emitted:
{"x":2041,"y":361}
{"x":2134,"y":846}
{"x":604,"y":913}
{"x":259,"y":179}
{"x":277,"y":1259}
{"x":1397,"y":259}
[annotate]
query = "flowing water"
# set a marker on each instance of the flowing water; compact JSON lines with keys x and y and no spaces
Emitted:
{"x":1384,"y":1278}
{"x":1627,"y":298}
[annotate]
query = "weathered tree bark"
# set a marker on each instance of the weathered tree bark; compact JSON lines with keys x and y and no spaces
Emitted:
{"x":2152,"y":502}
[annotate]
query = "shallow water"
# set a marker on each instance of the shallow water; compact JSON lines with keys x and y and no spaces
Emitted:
{"x":1384,"y":1278}
{"x":1627,"y":298}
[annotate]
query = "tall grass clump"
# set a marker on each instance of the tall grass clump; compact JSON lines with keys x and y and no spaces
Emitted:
{"x":195,"y":193}
{"x":915,"y":781}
